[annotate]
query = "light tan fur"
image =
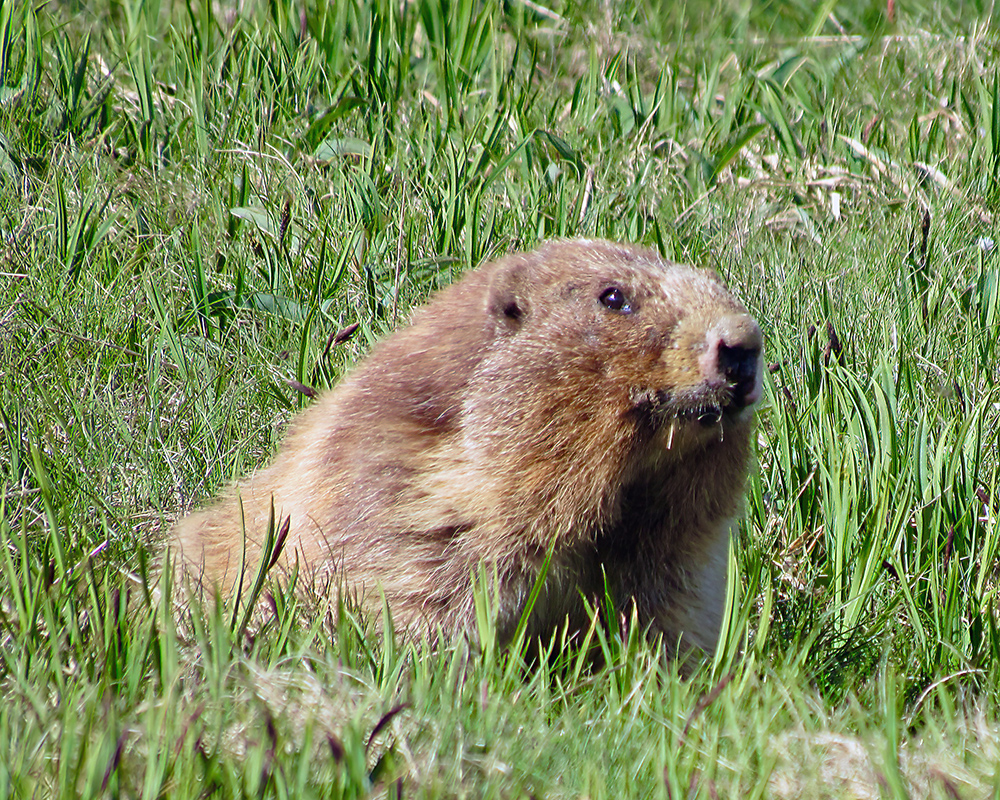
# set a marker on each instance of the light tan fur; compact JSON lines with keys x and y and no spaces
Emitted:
{"x":519,"y":412}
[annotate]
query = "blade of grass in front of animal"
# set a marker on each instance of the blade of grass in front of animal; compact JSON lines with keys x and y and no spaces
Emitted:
{"x":274,"y":542}
{"x":518,"y":643}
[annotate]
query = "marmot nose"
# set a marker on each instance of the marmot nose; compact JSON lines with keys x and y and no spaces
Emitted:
{"x":734,"y":345}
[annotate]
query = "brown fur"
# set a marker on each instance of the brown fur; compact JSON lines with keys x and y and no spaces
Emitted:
{"x":515,"y":413}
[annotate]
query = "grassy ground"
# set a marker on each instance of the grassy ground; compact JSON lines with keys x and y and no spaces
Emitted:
{"x":193,"y":198}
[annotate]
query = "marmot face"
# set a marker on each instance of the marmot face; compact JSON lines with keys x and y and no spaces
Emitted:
{"x":620,"y":332}
{"x":586,"y":397}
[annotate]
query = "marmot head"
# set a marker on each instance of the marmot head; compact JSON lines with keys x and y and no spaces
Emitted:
{"x":665,"y":343}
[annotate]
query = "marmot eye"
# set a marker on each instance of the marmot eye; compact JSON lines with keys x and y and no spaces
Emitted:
{"x":614,"y":298}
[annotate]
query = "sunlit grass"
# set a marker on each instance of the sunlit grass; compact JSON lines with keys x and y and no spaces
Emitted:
{"x":195,"y":200}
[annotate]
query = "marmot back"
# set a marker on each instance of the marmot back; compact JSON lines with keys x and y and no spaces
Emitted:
{"x":588,"y":396}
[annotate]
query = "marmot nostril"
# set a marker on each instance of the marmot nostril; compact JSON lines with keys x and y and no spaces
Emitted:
{"x":738,"y":363}
{"x":738,"y":366}
{"x":734,"y":355}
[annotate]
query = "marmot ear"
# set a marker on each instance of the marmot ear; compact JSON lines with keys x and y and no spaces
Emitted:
{"x":508,"y":295}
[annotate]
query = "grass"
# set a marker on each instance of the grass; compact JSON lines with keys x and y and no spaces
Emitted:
{"x":195,"y":198}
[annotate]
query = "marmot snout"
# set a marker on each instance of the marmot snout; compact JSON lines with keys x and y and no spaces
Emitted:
{"x":587,"y":397}
{"x":729,"y":367}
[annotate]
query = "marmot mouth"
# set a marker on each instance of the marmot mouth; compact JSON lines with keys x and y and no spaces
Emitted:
{"x":706,"y":416}
{"x":702,"y":405}
{"x":708,"y":409}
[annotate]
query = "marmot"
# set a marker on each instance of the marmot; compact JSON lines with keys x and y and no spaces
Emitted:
{"x":588,"y":397}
